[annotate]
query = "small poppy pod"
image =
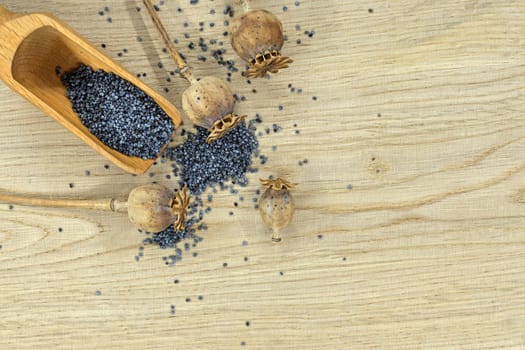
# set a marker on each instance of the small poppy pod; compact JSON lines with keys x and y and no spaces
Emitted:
{"x":257,"y":37}
{"x":276,"y":205}
{"x":209,"y":103}
{"x":154,"y":208}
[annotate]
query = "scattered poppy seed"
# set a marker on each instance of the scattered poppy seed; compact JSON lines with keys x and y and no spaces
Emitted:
{"x":110,"y":20}
{"x":98,"y":292}
{"x":247,"y":323}
{"x":60,"y":229}
{"x":225,"y":265}
{"x":200,"y":297}
{"x":11,"y":207}
{"x":281,"y":273}
{"x":319,"y":236}
{"x":188,"y":300}
{"x":285,"y":8}
{"x":349,"y":187}
{"x":71,"y":185}
{"x":370,"y":10}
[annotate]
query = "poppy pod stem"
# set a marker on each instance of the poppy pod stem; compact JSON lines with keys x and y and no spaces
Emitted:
{"x":185,"y":70}
{"x":276,"y":236}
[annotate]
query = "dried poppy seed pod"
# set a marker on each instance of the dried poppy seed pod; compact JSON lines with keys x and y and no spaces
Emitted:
{"x":209,"y":103}
{"x":276,"y":205}
{"x":154,"y":207}
{"x":257,"y":37}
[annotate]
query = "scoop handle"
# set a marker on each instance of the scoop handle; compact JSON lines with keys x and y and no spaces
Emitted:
{"x":6,"y":15}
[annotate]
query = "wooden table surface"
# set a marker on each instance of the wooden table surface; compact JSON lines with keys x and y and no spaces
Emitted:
{"x":409,"y":231}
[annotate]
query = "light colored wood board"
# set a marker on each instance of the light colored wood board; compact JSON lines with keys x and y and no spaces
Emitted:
{"x":419,"y":107}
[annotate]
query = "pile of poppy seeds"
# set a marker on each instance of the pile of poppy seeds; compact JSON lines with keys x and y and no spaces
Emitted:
{"x":118,"y":113}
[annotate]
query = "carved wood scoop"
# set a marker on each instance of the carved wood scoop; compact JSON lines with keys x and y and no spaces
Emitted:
{"x":32,"y":46}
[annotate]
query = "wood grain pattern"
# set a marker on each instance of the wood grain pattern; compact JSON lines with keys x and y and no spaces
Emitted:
{"x":419,"y":108}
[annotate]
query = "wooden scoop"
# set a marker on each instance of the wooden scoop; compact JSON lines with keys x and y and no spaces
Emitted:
{"x":32,"y":46}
